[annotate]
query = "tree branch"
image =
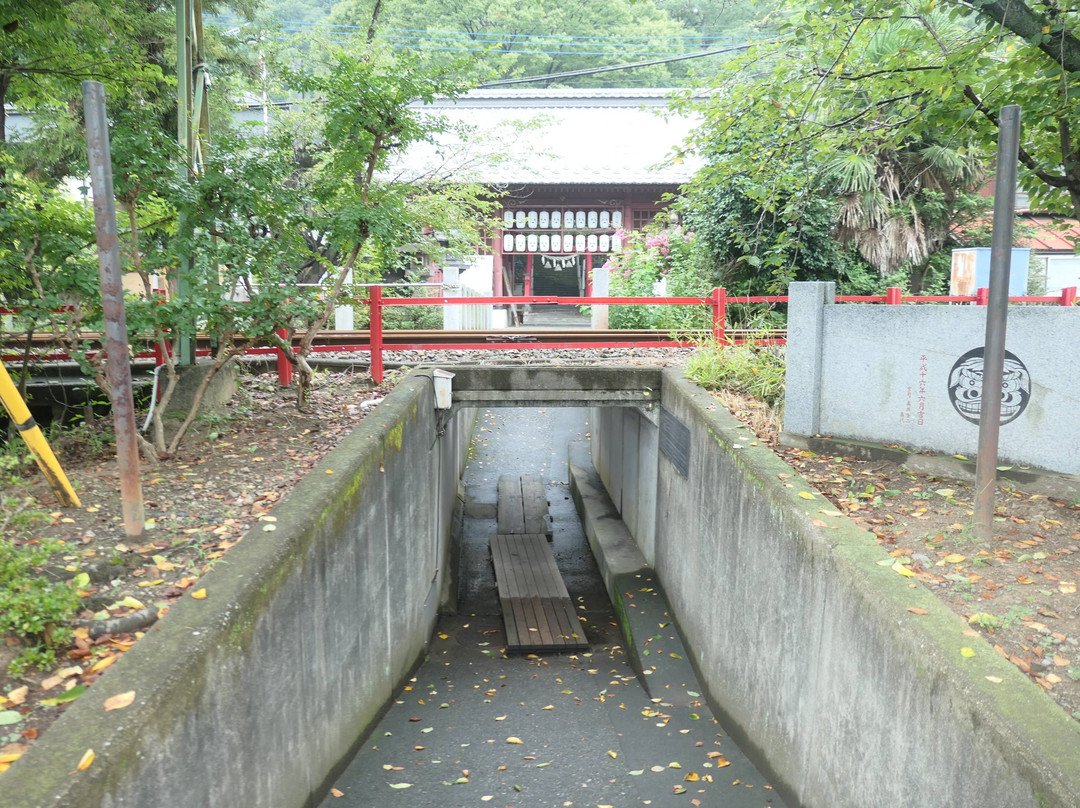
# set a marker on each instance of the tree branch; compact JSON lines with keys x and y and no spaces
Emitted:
{"x":1061,"y":46}
{"x":1053,"y":180}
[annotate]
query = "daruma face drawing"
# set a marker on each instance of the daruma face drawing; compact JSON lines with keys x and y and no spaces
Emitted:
{"x":966,"y":382}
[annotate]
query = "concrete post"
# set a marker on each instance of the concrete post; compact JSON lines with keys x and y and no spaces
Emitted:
{"x":805,"y":336}
{"x":343,"y":314}
{"x":600,"y":288}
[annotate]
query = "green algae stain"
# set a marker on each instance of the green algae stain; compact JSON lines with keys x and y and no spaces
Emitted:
{"x":396,"y":435}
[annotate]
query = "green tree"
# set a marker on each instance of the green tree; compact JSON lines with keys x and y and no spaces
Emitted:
{"x":511,"y":40}
{"x":752,"y":240}
{"x":880,"y":77}
{"x":367,"y":214}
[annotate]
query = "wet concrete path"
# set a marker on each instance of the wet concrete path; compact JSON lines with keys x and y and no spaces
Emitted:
{"x":477,"y":728}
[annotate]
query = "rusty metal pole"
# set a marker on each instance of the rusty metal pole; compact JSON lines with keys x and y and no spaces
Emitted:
{"x":997,"y":311}
{"x":112,"y":294}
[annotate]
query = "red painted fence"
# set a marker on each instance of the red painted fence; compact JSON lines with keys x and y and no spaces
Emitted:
{"x":717,"y":301}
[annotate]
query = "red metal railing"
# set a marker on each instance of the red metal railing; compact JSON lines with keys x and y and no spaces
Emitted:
{"x":717,"y":302}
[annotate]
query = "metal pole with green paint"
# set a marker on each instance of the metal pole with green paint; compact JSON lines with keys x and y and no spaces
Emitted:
{"x":192,"y":127}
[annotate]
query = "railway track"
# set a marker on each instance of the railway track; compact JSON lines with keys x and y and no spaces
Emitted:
{"x":14,"y":344}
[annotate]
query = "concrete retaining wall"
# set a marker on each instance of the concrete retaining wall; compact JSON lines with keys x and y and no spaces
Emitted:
{"x":806,"y":643}
{"x":624,"y":454}
{"x":254,"y":695}
{"x":897,"y":374}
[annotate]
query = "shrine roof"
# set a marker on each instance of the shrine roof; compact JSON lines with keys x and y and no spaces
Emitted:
{"x":589,"y":136}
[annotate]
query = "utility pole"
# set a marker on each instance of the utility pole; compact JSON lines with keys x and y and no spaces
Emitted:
{"x":112,"y":293}
{"x":997,"y":311}
{"x":192,"y":125}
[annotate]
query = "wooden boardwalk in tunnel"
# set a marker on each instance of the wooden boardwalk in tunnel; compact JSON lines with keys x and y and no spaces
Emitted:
{"x":523,"y":506}
{"x":537,"y":610}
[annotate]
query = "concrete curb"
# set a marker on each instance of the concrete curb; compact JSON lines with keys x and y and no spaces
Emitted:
{"x":1026,"y":728}
{"x":254,"y":694}
{"x":655,"y":648}
{"x":805,"y":641}
{"x":1035,"y":481}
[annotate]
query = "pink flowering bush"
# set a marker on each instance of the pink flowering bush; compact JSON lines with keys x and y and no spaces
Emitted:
{"x":658,"y":261}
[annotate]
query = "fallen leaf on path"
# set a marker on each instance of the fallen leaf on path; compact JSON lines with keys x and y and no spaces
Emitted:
{"x":513,"y":739}
{"x":85,"y":760}
{"x":119,"y":701}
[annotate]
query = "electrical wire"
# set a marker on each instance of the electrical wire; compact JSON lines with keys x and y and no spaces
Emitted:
{"x":593,"y":70}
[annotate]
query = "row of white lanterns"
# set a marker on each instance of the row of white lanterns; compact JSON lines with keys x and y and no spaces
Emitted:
{"x":558,"y":220}
{"x":544,"y":243}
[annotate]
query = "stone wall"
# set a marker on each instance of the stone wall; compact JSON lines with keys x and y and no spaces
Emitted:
{"x":805,"y":642}
{"x":252,"y":696}
{"x":911,"y":375}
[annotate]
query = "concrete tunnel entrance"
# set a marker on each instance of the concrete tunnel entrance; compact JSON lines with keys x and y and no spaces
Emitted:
{"x":476,"y":725}
{"x":330,"y":635}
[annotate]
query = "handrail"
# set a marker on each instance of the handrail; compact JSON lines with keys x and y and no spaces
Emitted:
{"x":718,"y":301}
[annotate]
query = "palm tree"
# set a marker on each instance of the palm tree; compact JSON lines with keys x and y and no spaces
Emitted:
{"x":898,"y":207}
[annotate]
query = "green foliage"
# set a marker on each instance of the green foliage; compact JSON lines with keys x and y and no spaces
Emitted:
{"x":508,"y":39}
{"x":750,"y":369}
{"x":32,"y":608}
{"x":753,"y":240}
{"x":885,"y":101}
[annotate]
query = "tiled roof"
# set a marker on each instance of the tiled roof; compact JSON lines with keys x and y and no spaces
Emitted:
{"x":591,"y":136}
{"x":1050,"y":234}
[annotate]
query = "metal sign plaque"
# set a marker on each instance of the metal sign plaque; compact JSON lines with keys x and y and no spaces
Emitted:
{"x":675,"y":441}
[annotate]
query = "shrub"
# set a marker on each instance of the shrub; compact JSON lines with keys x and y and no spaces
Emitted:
{"x":659,"y":255}
{"x":33,"y":609}
{"x":751,"y":369}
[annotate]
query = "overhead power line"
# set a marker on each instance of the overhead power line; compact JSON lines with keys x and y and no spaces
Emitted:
{"x":610,"y":68}
{"x":450,"y":35}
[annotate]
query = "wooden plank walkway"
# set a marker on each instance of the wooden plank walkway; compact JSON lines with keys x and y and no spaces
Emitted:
{"x":523,"y":506}
{"x":537,"y":610}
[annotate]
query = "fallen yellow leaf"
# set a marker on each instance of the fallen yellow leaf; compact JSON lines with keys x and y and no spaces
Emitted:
{"x":806,"y":495}
{"x":103,"y":663}
{"x":119,"y":701}
{"x":967,"y":652}
{"x":954,"y":558}
{"x":18,"y":695}
{"x":86,"y":760}
{"x":900,"y":569}
{"x":612,"y":755}
{"x":335,"y":793}
{"x":512,"y":739}
{"x":199,"y":594}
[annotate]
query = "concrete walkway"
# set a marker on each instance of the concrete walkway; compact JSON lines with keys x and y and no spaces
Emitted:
{"x":476,"y":728}
{"x":553,"y":316}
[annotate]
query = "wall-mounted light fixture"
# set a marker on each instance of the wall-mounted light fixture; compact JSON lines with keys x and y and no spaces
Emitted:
{"x":442,"y":381}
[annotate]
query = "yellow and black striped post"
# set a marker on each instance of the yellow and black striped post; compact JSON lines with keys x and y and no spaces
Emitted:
{"x":31,"y":433}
